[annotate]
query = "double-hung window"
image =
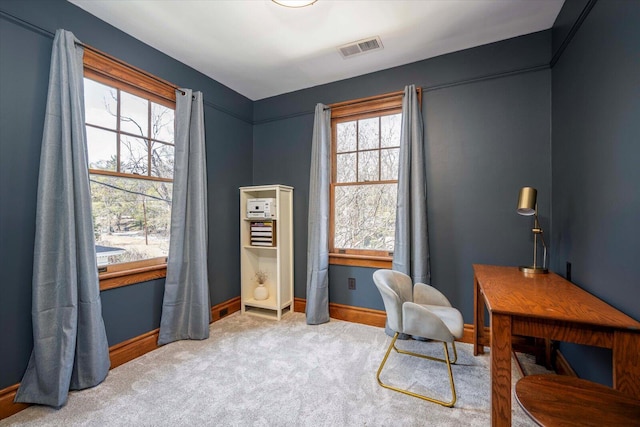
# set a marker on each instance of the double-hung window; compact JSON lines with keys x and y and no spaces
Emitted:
{"x":364,"y":180}
{"x":129,"y":118}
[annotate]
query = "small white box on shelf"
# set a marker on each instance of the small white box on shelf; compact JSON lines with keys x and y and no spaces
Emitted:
{"x":261,"y":208}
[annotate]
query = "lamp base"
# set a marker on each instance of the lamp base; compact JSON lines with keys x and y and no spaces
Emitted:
{"x":533,"y":270}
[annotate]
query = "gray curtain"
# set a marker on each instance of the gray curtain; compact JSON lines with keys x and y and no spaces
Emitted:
{"x":317,"y":309}
{"x":411,"y":251}
{"x":70,"y":349}
{"x":186,"y":309}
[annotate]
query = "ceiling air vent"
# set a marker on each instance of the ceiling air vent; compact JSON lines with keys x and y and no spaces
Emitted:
{"x":360,"y":47}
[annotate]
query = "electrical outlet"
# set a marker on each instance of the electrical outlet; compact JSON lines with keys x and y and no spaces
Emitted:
{"x":352,"y":284}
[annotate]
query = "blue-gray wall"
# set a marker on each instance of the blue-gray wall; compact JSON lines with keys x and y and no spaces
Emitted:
{"x":487,"y":133}
{"x":26,"y":29}
{"x":596,"y":166}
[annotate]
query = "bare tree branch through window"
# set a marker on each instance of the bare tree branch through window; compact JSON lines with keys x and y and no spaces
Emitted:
{"x":366,"y":156}
{"x":130,"y":146}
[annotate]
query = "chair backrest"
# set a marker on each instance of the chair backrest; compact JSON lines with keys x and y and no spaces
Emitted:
{"x":396,"y":288}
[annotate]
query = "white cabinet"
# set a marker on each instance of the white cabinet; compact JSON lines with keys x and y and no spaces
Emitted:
{"x":266,"y":246}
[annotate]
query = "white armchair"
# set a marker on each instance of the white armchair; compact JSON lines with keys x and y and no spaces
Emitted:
{"x":421,"y":311}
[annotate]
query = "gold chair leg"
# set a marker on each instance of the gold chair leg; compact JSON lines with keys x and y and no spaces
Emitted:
{"x":424,"y":356}
{"x":421,"y":396}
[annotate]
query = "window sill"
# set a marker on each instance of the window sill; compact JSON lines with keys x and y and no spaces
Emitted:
{"x":117,"y":279}
{"x":360,"y":260}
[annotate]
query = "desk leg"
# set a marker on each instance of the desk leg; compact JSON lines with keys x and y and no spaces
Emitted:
{"x":500,"y":370}
{"x":626,"y":362}
{"x":478,"y":319}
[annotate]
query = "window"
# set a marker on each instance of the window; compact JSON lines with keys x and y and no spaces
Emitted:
{"x":365,"y":157}
{"x":130,"y":145}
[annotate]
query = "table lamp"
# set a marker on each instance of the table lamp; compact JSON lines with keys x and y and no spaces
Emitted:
{"x":527,"y":206}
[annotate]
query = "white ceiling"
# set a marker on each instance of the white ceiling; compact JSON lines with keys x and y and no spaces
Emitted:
{"x":260,"y":49}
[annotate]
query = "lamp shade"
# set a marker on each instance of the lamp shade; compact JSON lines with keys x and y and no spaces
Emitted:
{"x":527,"y":201}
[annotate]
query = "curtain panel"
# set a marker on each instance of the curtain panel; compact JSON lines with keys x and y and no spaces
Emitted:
{"x":317,"y":309}
{"x":411,"y":251}
{"x":70,"y":349}
{"x":186,"y":308}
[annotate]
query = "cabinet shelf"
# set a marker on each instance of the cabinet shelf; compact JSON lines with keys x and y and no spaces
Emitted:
{"x":266,"y":313}
{"x":268,"y":248}
{"x":269,"y":303}
{"x":275,"y":261}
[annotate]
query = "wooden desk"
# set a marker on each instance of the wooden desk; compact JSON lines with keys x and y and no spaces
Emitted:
{"x":547,"y":306}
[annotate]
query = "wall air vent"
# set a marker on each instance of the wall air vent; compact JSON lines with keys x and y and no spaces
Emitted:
{"x":361,"y":46}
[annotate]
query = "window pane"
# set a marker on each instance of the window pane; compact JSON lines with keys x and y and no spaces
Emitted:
{"x":368,"y":131}
{"x":102,"y":149}
{"x":162,"y":160}
{"x":389,"y":160}
{"x":100,"y":104}
{"x":390,"y":130}
{"x":365,"y":217}
{"x":346,"y":137}
{"x":346,"y":167}
{"x":162,"y":122}
{"x":368,"y":166}
{"x":131,"y":218}
{"x":134,"y":114}
{"x":133,"y":155}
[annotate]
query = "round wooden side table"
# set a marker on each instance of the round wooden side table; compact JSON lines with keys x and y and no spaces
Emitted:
{"x":560,"y":400}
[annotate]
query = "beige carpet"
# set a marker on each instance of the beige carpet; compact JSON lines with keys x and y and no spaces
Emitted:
{"x":266,"y":373}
